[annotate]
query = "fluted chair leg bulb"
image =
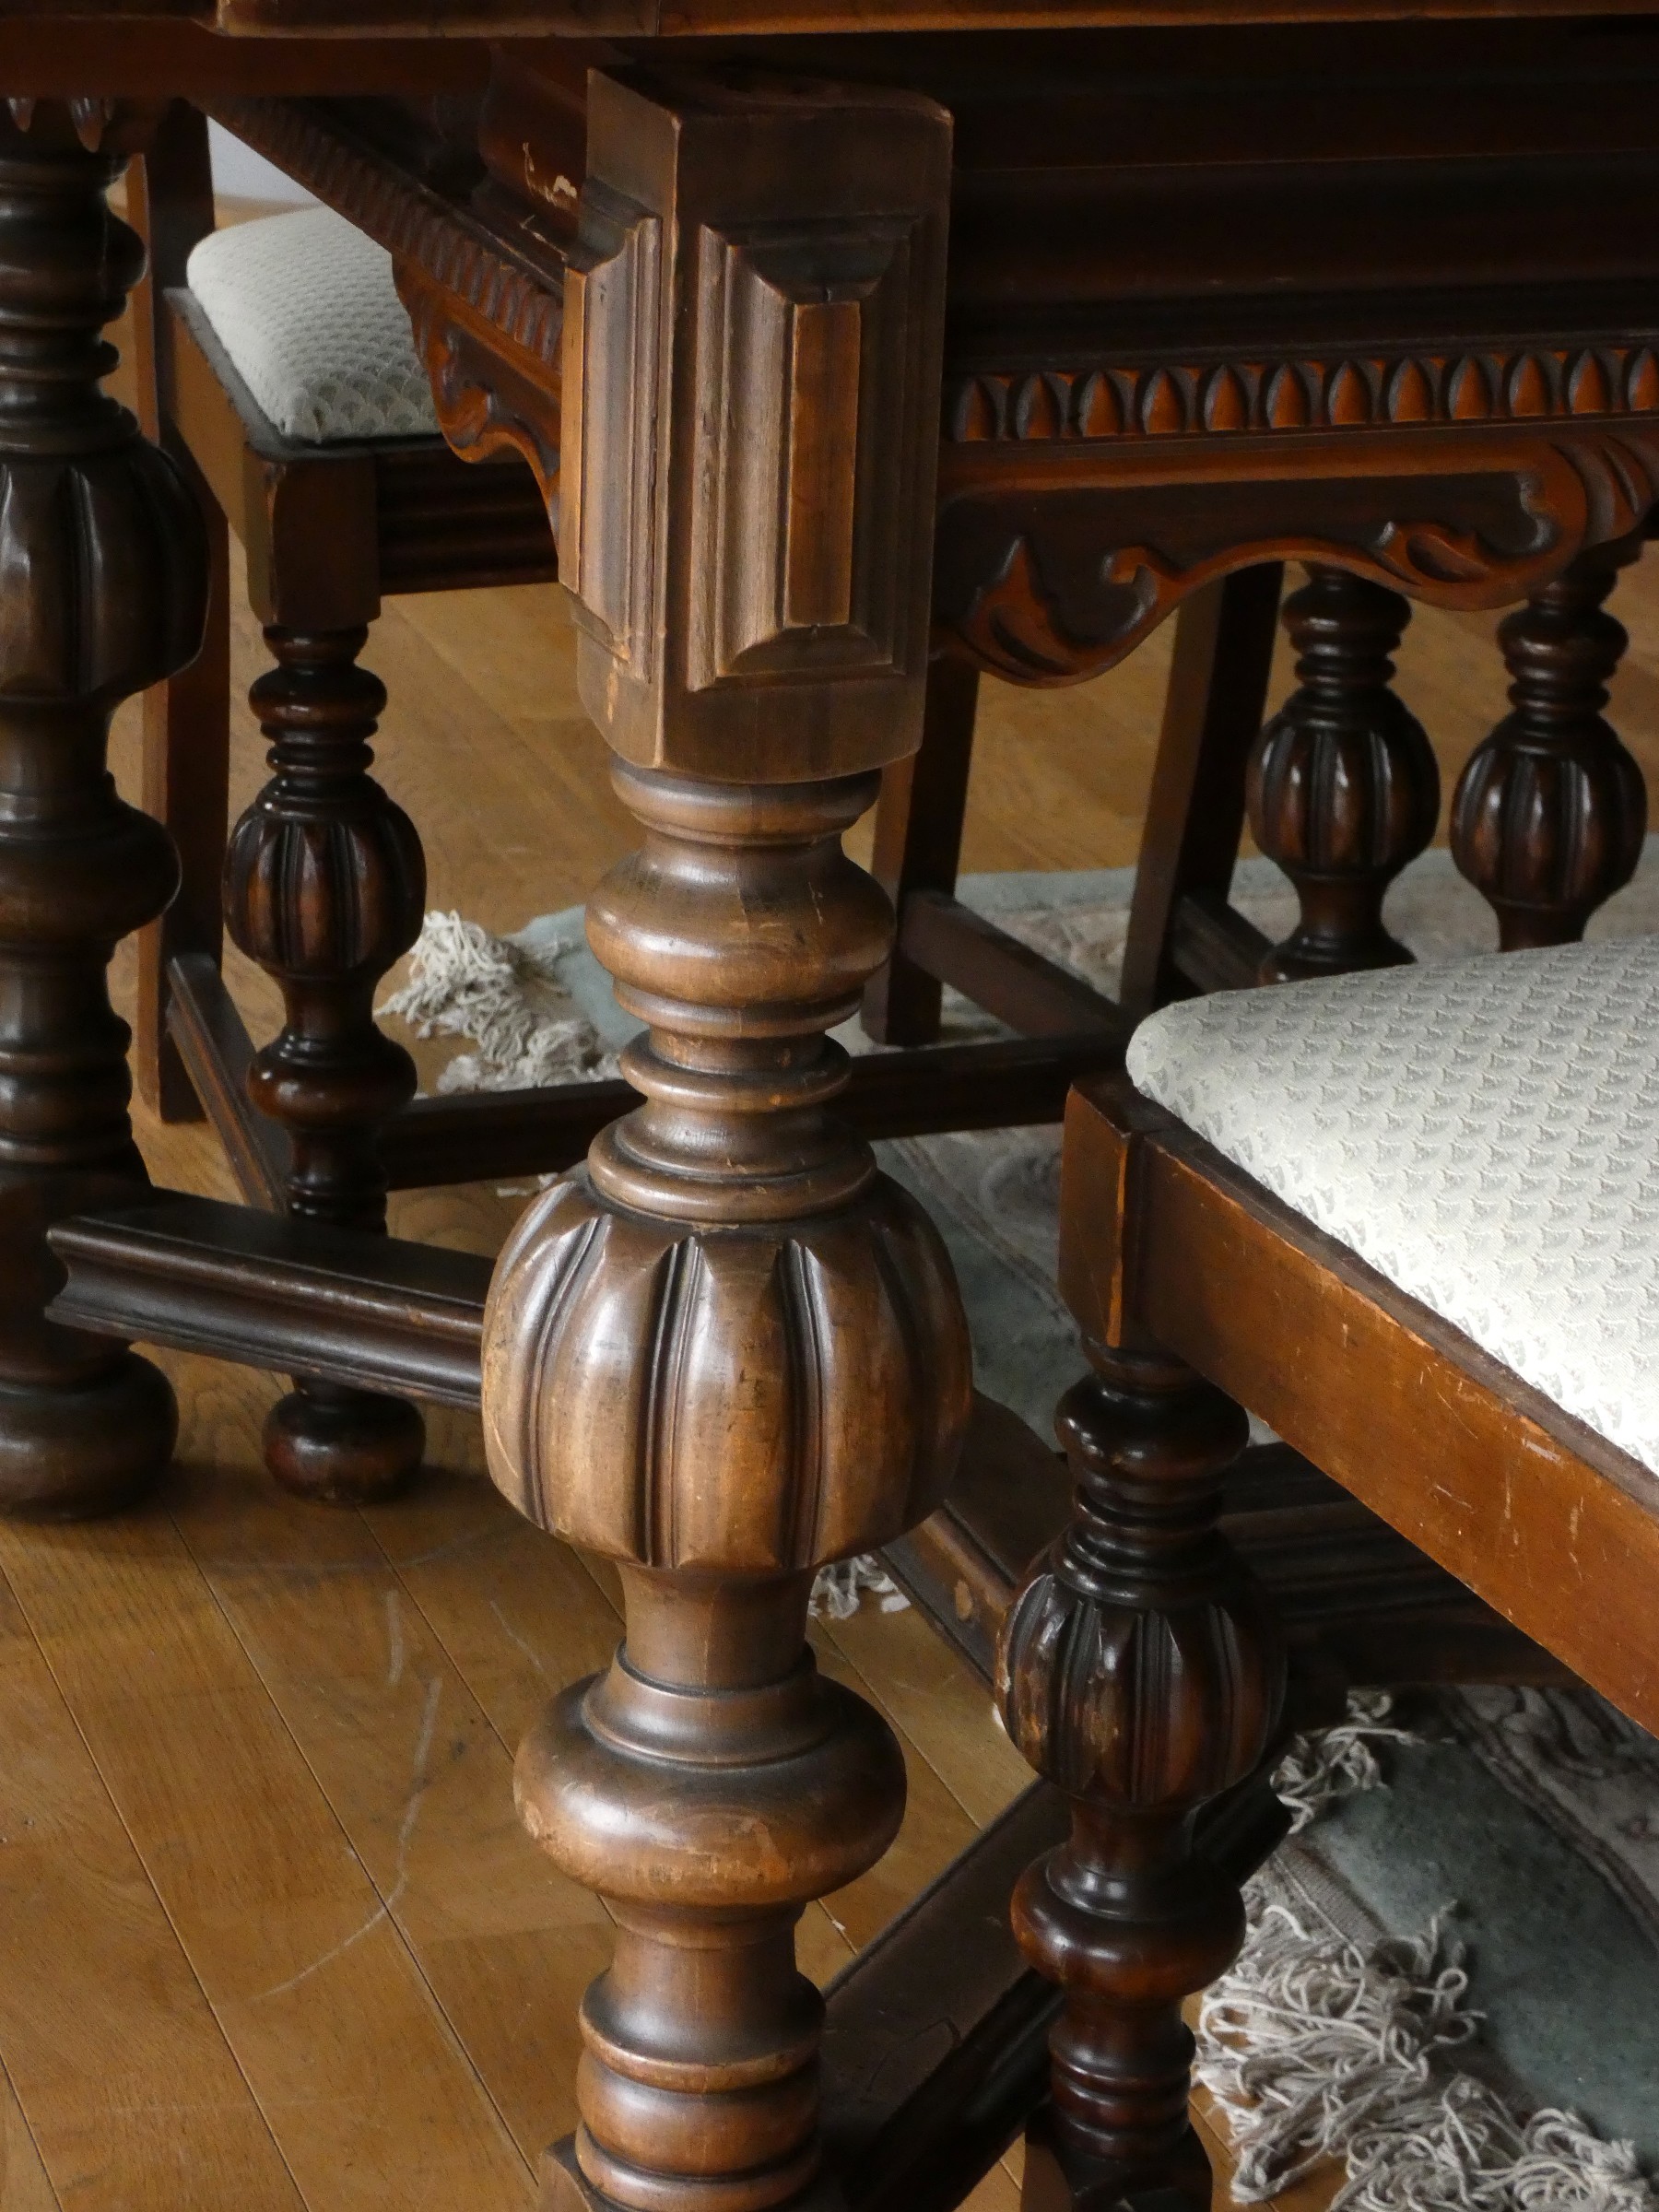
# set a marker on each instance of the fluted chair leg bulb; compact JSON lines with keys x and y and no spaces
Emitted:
{"x":1343,"y":786}
{"x":1141,"y":1671}
{"x":325,"y":886}
{"x":105,"y":563}
{"x":1549,"y":815}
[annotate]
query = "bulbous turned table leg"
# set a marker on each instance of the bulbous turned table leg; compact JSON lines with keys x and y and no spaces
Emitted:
{"x":104,"y":558}
{"x":1550,"y":814}
{"x":1140,"y":1670}
{"x":325,"y":886}
{"x":729,"y":1351}
{"x":726,"y":1352}
{"x":1343,"y":788}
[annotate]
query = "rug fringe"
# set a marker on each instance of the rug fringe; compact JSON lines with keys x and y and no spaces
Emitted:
{"x":505,"y":999}
{"x":838,"y":1590}
{"x":1317,"y":2048}
{"x":1318,"y":1771}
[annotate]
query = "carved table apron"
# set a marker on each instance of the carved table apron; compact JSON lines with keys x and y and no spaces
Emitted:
{"x":808,"y":392}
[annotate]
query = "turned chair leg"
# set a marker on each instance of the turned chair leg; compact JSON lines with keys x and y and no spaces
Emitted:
{"x":918,"y":847}
{"x":1549,"y":815}
{"x":186,"y":788}
{"x":186,"y":717}
{"x":1344,"y":789}
{"x":1140,"y":1670}
{"x":325,"y":888}
{"x":106,"y":583}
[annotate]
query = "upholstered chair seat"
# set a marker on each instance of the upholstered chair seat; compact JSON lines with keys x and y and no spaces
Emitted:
{"x":1485,"y":1132}
{"x":306,"y":311}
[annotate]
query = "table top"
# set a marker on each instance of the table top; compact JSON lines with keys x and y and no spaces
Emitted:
{"x":702,"y":18}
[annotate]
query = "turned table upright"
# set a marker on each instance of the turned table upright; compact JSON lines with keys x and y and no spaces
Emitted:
{"x":1108,"y":302}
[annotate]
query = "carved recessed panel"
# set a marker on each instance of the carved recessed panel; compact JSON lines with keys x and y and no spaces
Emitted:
{"x":607,"y":483}
{"x":801,"y":370}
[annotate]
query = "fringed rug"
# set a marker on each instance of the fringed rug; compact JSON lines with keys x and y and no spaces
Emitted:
{"x":1452,"y":1980}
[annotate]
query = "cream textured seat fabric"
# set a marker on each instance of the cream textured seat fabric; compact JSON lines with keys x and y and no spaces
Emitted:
{"x":1484,"y":1131}
{"x":305,"y":307}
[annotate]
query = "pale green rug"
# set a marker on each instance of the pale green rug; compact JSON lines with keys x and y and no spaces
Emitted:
{"x":1530,"y":1818}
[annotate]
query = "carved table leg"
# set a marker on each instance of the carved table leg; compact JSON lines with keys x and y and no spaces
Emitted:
{"x":1344,"y":787}
{"x":729,"y":1350}
{"x":104,"y":560}
{"x":324,"y":887}
{"x":1141,"y":1671}
{"x":1550,"y":814}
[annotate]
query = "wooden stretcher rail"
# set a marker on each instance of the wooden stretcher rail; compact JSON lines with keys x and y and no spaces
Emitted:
{"x":1032,"y":995}
{"x":213,"y":1043}
{"x":340,"y":1305}
{"x":1008,"y":1084}
{"x":996,"y":1086}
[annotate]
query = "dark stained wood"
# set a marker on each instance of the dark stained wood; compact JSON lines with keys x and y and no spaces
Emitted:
{"x":1342,"y":788}
{"x":335,"y":1304}
{"x":169,"y":197}
{"x":217,"y":1053}
{"x":132,"y":52}
{"x":107,"y":571}
{"x":186,"y":788}
{"x":709,"y":18}
{"x":325,"y":888}
{"x":932,"y":1088}
{"x":918,"y":846}
{"x":1141,"y":1669}
{"x":325,"y":883}
{"x":1550,"y":814}
{"x":1213,"y":714}
{"x":1361,"y":1605}
{"x":999,"y":973}
{"x":907,"y":2132}
{"x":728,"y":1351}
{"x":1214,"y":947}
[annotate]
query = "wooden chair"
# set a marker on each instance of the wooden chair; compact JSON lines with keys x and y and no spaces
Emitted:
{"x":322,"y":882}
{"x":1544,"y":863}
{"x":1408,"y":1220}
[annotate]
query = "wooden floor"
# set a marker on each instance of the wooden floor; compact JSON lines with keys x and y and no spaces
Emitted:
{"x":270,"y":1935}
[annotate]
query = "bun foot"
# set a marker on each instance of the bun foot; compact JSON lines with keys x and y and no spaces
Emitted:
{"x":343,"y":1447}
{"x":77,"y":1452}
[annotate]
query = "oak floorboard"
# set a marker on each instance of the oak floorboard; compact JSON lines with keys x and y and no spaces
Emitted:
{"x":521,"y":1616}
{"x":23,"y":2186}
{"x":418,"y":1780}
{"x":119,"y":2086}
{"x":367,"y":2093}
{"x":939,"y":1706}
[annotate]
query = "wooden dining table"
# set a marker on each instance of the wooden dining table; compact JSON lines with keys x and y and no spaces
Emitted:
{"x":837,"y":335}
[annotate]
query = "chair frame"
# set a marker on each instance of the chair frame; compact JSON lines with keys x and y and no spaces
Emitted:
{"x":1166,"y":1242}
